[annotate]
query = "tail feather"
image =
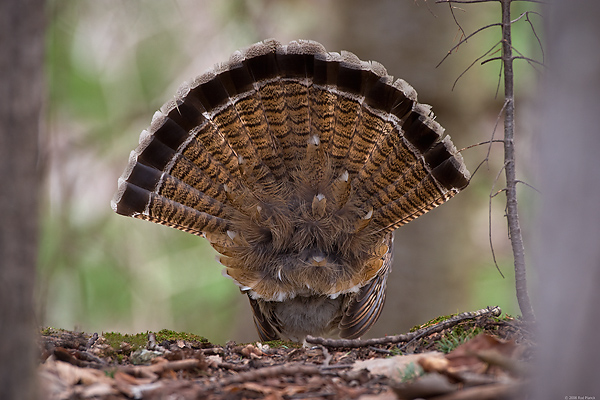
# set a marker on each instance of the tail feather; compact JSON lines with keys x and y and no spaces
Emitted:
{"x":141,"y":203}
{"x":294,"y":62}
{"x":289,"y":154}
{"x":240,"y":85}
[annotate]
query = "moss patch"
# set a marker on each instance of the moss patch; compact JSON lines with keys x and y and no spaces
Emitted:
{"x":136,"y":341}
{"x":166,"y":334}
{"x":432,"y":322}
{"x":456,"y":337}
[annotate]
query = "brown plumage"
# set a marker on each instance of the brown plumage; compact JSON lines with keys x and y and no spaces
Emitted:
{"x":297,"y":165}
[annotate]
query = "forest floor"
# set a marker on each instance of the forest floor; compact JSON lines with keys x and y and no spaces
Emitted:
{"x":478,"y":355}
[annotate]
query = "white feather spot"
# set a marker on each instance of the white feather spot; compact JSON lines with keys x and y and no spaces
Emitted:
{"x":314,"y":139}
{"x":345,"y":175}
{"x":318,"y":259}
{"x":320,"y":196}
{"x":369,"y":214}
{"x":232,"y":235}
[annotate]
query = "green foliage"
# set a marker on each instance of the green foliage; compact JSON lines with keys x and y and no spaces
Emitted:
{"x":136,"y":341}
{"x":274,"y":344}
{"x":432,"y":322}
{"x":411,"y":372}
{"x":50,"y":330}
{"x":456,"y":337}
{"x":110,"y":372}
{"x":395,"y":351}
{"x":166,"y":334}
{"x":140,"y":340}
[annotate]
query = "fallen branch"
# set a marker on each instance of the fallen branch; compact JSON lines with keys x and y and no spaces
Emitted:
{"x":407,"y":337}
{"x":267,"y":372}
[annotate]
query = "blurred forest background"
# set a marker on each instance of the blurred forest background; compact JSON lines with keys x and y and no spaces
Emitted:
{"x":112,"y":63}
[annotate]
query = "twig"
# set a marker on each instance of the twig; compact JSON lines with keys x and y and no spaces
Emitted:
{"x":465,"y":39}
{"x":528,"y":185}
{"x":480,"y":144}
{"x":491,"y":196}
{"x":534,"y":32}
{"x":267,"y":372}
{"x":492,"y":140}
{"x":408,"y":337}
{"x":473,"y":63}
{"x":326,"y":356}
{"x":463,"y":33}
{"x":92,"y":340}
{"x":154,"y":370}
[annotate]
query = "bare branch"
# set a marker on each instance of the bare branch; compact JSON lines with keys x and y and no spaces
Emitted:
{"x":529,"y":61}
{"x":528,"y":185}
{"x":491,"y":59}
{"x":498,"y":84}
{"x":487,"y":156}
{"x":535,"y":33}
{"x":473,"y":63}
{"x":492,"y":140}
{"x":491,"y":196}
{"x":481,"y":143}
{"x":428,"y":8}
{"x":465,"y":39}
{"x":440,"y":326}
{"x":456,"y":21}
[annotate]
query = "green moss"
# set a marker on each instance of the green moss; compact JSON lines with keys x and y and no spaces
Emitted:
{"x":114,"y":339}
{"x":140,"y":340}
{"x":504,"y":318}
{"x":167,"y":334}
{"x":432,"y":322}
{"x":395,"y":351}
{"x":456,"y":337}
{"x":50,"y":330}
{"x":274,"y":344}
{"x":54,"y":331}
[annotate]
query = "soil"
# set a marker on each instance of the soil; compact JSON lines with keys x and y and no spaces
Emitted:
{"x":483,"y":356}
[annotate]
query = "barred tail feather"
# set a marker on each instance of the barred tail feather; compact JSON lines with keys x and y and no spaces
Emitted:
{"x":296,"y":164}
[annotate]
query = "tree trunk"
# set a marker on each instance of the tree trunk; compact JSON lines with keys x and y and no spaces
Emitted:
{"x":21,"y":93}
{"x":568,"y":249}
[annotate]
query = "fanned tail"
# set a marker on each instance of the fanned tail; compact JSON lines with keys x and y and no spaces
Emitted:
{"x":297,"y":165}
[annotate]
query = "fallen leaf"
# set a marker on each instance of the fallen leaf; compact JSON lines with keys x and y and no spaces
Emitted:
{"x":394,"y":367}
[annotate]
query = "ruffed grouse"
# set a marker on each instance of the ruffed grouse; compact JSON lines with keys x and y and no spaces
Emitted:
{"x":297,"y":165}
